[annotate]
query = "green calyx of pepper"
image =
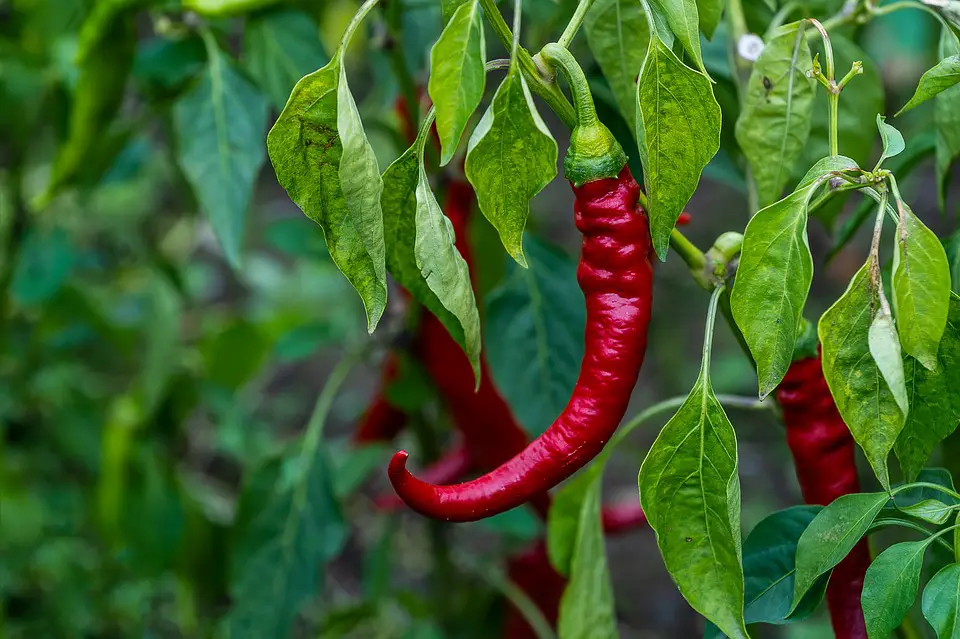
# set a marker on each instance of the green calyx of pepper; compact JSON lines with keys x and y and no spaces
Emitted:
{"x":594,"y":153}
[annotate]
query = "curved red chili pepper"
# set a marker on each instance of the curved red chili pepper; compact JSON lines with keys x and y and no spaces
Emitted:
{"x":616,"y":276}
{"x":823,"y":452}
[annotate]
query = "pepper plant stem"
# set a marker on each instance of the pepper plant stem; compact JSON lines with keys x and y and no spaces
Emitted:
{"x":574,"y":25}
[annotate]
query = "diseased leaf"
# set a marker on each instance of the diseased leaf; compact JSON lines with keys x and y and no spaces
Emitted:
{"x":619,"y":36}
{"x":534,"y":329}
{"x":885,"y":349}
{"x":921,"y":287}
{"x":864,"y":399}
{"x":457,"y":75}
{"x":890,"y":586}
{"x":511,"y":157}
{"x":831,"y":536}
{"x":279,"y":48}
{"x":310,"y":153}
{"x":444,"y":269}
{"x":690,"y":492}
{"x":684,"y":21}
{"x":769,"y":555}
{"x":678,"y":128}
{"x":219,"y":126}
{"x":933,"y":511}
{"x":774,"y":275}
{"x":941,"y":602}
{"x":934,"y":398}
{"x":775,"y":121}
{"x":941,"y":77}
{"x":893,"y":143}
{"x":946,"y":117}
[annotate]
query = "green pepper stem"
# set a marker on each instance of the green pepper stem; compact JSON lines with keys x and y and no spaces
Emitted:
{"x":574,"y":25}
{"x":556,"y":55}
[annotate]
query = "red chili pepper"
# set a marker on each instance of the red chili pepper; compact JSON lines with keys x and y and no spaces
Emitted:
{"x":533,"y":573}
{"x":823,"y":452}
{"x":383,"y":421}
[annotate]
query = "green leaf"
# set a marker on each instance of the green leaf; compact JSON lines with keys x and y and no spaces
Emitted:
{"x":831,"y":536}
{"x":457,"y":75}
{"x":316,"y":140}
{"x":234,"y":354}
{"x":684,"y":21}
{"x":921,"y":287}
{"x":885,"y":348}
{"x":709,"y":12}
{"x":444,"y":269}
{"x":449,"y":7}
{"x":534,"y":329}
{"x":774,"y":275}
{"x":941,"y":602}
{"x":941,"y":77}
{"x":914,"y":495}
{"x":43,"y":265}
{"x":951,"y":245}
{"x":775,"y":121}
{"x":946,"y":117}
{"x":587,"y":605}
{"x":219,"y":127}
{"x":563,"y":519}
{"x":511,"y":157}
{"x":690,"y":492}
{"x":933,"y":511}
{"x":400,"y":208}
{"x":934,"y":398}
{"x":864,"y":399}
{"x":769,"y":555}
{"x":279,"y":48}
{"x":890,"y":586}
{"x":223,"y":8}
{"x":618,"y":36}
{"x":893,"y":143}
{"x":678,"y":128}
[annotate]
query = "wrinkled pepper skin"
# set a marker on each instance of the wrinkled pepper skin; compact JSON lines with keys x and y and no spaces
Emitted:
{"x":823,"y":452}
{"x":616,"y":277}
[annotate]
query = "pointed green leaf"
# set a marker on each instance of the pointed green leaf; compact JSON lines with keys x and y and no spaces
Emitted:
{"x":690,"y":492}
{"x":921,"y":287}
{"x":684,"y":21}
{"x":618,"y":36}
{"x":279,"y":48}
{"x":219,"y":126}
{"x":893,"y":143}
{"x":941,"y":77}
{"x":444,"y":269}
{"x":946,"y":117}
{"x":832,"y":535}
{"x":863,"y":398}
{"x":941,"y":602}
{"x":709,"y":12}
{"x":885,"y":348}
{"x":511,"y":157}
{"x":934,"y":398}
{"x":933,"y":511}
{"x":457,"y":75}
{"x":890,"y":586}
{"x":331,"y":174}
{"x":678,"y":128}
{"x":775,"y":121}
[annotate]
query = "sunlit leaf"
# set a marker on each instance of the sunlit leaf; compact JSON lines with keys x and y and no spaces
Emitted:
{"x":683,"y":19}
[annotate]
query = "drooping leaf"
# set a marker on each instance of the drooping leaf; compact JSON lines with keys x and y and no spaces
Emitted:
{"x":279,"y":48}
{"x":316,"y":141}
{"x":941,"y":602}
{"x":831,"y":536}
{"x":921,"y":287}
{"x":618,"y":36}
{"x":678,"y":128}
{"x":885,"y":349}
{"x":890,"y":586}
{"x":511,"y":157}
{"x":444,"y":269}
{"x":690,"y":492}
{"x":709,"y":12}
{"x":933,"y":511}
{"x":534,"y":335}
{"x":774,"y":275}
{"x":775,"y":121}
{"x":941,"y":77}
{"x":934,"y":398}
{"x":893,"y":143}
{"x":684,"y":21}
{"x":946,"y":117}
{"x":769,"y":556}
{"x":864,"y":399}
{"x":457,"y":75}
{"x":219,"y":126}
